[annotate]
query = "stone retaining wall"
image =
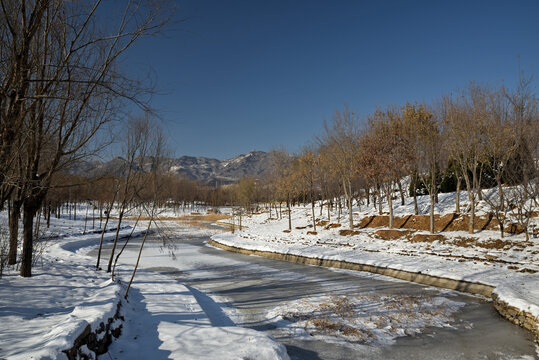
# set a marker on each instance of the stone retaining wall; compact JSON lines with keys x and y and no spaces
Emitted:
{"x":517,"y":316}
{"x":511,"y":313}
{"x":89,"y":344}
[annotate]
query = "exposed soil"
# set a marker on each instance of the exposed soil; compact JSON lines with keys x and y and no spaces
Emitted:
{"x":346,"y":232}
{"x":442,"y":223}
{"x":393,"y":234}
{"x":428,"y":238}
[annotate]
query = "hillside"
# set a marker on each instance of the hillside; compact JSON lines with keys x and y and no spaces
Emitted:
{"x":205,"y":170}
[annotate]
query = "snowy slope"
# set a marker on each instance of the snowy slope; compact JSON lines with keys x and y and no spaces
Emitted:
{"x":41,"y":316}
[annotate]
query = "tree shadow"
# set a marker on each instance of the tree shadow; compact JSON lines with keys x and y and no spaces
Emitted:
{"x":453,"y":217}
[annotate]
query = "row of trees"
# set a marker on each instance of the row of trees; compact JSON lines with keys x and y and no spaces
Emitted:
{"x":480,"y":137}
{"x":61,"y":85}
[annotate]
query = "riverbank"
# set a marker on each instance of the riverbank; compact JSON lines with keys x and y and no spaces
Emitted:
{"x":67,"y":309}
{"x":505,"y":269}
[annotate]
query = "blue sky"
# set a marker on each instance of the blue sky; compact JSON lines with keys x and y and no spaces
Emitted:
{"x":234,"y":76}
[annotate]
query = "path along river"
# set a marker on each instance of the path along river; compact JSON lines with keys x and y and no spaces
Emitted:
{"x":241,"y":290}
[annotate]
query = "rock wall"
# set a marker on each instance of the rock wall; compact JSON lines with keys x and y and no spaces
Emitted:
{"x":90,"y":344}
{"x":517,"y":316}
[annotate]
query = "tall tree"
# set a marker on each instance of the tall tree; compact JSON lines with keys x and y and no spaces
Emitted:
{"x":61,"y":85}
{"x":341,"y":136}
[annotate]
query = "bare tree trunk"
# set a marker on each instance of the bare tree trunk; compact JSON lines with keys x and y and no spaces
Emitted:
{"x":124,"y":246}
{"x":85,"y":221}
{"x":289,"y":213}
{"x":138,"y":258}
{"x":29,"y":212}
{"x":401,"y":192}
{"x":49,"y":215}
{"x":347,"y":193}
{"x":339,"y":211}
{"x":102,"y":235}
{"x":379,"y":193}
{"x":431,"y":213}
{"x":471,"y":200}
{"x":389,"y":204}
{"x":477,"y":184}
{"x":14,"y":216}
{"x":312,"y":210}
{"x":329,"y":210}
{"x":501,"y":206}
{"x":111,"y":258}
{"x":457,"y":196}
{"x":433,"y":200}
{"x":414,"y":193}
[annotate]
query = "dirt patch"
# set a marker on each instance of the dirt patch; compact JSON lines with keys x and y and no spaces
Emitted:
{"x":332,"y":226}
{"x":526,"y":270}
{"x":393,"y":234}
{"x":312,"y":233}
{"x":442,"y":223}
{"x":347,"y":232}
{"x":496,"y":244}
{"x":286,"y":231}
{"x":428,"y":238}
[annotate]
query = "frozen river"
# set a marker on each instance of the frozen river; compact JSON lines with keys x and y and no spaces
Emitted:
{"x":243,"y":290}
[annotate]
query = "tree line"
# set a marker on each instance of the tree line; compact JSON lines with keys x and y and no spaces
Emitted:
{"x":480,"y":137}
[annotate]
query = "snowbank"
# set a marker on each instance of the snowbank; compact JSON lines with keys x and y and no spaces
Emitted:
{"x":43,"y":315}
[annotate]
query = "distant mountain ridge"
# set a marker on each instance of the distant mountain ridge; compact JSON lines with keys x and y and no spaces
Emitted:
{"x":205,"y":170}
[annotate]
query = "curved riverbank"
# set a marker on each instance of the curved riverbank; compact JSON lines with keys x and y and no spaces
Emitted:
{"x":505,"y":308}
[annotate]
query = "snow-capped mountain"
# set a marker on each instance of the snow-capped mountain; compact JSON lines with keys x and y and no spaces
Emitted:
{"x":203,"y":169}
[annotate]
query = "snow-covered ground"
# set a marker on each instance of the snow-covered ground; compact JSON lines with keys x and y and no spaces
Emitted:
{"x":510,"y":265}
{"x":44,"y":314}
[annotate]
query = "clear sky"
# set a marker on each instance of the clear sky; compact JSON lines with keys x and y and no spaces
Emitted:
{"x":241,"y":75}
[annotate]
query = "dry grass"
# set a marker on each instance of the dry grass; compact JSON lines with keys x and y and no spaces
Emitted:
{"x":354,"y":316}
{"x":194,"y":217}
{"x":204,"y":217}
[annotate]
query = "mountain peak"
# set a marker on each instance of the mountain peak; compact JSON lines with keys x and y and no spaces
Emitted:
{"x":205,"y":170}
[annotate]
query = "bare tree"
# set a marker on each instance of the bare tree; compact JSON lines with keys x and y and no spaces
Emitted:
{"x":464,"y":120}
{"x":157,"y":151}
{"x":524,"y":172}
{"x":428,"y":155}
{"x":307,"y":174}
{"x":135,"y":149}
{"x":381,"y":155}
{"x":281,"y":164}
{"x":341,"y":137}
{"x":61,"y":86}
{"x":500,"y":147}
